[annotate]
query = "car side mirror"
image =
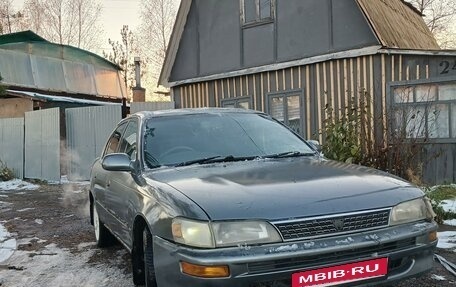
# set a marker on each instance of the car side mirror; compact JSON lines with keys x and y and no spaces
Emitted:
{"x":315,"y":144}
{"x":117,"y":162}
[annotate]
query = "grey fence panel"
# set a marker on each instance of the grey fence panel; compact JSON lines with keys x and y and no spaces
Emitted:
{"x":87,"y":132}
{"x":42,"y":144}
{"x":12,"y":145}
{"x":150,"y":106}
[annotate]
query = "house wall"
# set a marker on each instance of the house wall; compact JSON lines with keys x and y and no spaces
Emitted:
{"x":336,"y":84}
{"x":301,"y":29}
{"x":15,"y":107}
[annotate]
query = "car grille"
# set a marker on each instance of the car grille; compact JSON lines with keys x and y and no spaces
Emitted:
{"x":329,"y":258}
{"x":326,"y":226}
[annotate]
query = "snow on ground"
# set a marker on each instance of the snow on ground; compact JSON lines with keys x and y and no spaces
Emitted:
{"x":438,"y":277}
{"x":53,"y":266}
{"x":17,"y":184}
{"x":7,"y":244}
{"x":447,"y":240}
{"x":449,"y":206}
{"x":64,"y":180}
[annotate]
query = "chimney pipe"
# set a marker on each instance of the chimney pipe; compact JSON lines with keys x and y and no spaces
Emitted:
{"x":138,"y":72}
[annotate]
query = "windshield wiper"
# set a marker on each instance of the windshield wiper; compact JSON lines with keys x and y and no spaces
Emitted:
{"x":289,"y":154}
{"x":214,"y":159}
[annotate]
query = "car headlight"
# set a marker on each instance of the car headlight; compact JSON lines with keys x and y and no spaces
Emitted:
{"x":223,"y":234}
{"x":192,"y":233}
{"x":409,"y":211}
{"x":244,"y":232}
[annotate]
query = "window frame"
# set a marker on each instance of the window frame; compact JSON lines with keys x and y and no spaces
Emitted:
{"x":122,"y":123}
{"x":285,"y":95}
{"x":236,"y":101}
{"x":392,"y":105}
{"x":129,"y":122}
{"x":258,"y":20}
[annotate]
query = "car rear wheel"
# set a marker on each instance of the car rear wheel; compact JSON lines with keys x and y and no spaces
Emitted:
{"x":102,"y":235}
{"x":149,"y":269}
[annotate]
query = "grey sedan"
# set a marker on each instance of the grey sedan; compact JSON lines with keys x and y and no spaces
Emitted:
{"x":227,"y":197}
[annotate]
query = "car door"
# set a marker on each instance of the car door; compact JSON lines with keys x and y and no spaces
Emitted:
{"x":122,"y":189}
{"x":101,"y":178}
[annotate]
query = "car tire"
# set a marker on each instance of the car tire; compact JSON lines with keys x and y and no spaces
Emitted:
{"x":103,"y":236}
{"x":148,"y":253}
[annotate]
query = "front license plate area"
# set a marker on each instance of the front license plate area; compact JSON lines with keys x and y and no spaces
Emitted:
{"x":341,"y":274}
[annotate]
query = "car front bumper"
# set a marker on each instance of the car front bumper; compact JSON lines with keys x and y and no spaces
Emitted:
{"x":407,"y":247}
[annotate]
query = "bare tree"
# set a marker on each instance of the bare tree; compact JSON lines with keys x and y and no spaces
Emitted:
{"x":70,"y":22}
{"x":123,"y":53}
{"x":439,"y":16}
{"x":157,"y":21}
{"x":11,"y":20}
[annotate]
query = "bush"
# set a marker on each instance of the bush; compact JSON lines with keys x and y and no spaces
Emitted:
{"x":5,"y":173}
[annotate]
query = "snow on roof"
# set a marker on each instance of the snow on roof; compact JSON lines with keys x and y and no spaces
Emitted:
{"x":50,"y":98}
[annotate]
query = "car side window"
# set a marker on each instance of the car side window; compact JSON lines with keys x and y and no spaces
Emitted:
{"x":128,"y":141}
{"x":113,"y":143}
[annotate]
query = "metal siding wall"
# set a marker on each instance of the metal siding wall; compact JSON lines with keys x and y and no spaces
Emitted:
{"x":42,"y":144}
{"x":12,"y":145}
{"x":150,"y":106}
{"x":88,"y":130}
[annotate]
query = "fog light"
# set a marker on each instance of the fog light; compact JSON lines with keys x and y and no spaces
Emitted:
{"x":205,"y":271}
{"x":432,"y":236}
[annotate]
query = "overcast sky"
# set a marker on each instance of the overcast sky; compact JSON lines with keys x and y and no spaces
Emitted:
{"x":114,"y":15}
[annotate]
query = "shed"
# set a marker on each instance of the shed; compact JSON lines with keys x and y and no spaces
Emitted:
{"x":30,"y":64}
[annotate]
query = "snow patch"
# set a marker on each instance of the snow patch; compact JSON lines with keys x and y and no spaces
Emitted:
{"x":59,"y":267}
{"x":372,"y":237}
{"x":438,"y":277}
{"x":7,"y":244}
{"x":286,"y":248}
{"x":345,"y":241}
{"x":17,"y":184}
{"x":449,"y":205}
{"x":451,"y":222}
{"x":26,"y":209}
{"x":64,"y":180}
{"x":447,"y":240}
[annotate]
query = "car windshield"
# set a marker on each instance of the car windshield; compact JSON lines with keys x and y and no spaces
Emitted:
{"x":210,"y":137}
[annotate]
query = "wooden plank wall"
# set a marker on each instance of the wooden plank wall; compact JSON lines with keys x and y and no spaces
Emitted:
{"x":336,"y":83}
{"x":333,"y":83}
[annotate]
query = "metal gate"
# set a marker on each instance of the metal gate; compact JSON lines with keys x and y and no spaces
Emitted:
{"x":42,"y":144}
{"x":12,"y":145}
{"x":87,"y":132}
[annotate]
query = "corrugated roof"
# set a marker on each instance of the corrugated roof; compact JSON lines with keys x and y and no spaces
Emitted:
{"x":398,"y":25}
{"x":21,"y":41}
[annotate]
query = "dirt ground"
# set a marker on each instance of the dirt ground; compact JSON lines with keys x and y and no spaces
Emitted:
{"x":55,"y":243}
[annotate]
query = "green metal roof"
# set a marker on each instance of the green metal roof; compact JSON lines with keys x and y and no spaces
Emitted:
{"x":29,"y":61}
{"x":24,"y":36}
{"x":39,"y":46}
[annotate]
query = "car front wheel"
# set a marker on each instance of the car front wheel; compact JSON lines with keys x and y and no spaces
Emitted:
{"x":149,"y":269}
{"x":102,"y":234}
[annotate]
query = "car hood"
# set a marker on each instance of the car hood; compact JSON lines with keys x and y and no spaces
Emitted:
{"x":285,"y":188}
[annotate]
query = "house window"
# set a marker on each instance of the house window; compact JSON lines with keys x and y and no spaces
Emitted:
{"x":257,"y":11}
{"x":426,"y":111}
{"x":243,"y":103}
{"x":287,"y":109}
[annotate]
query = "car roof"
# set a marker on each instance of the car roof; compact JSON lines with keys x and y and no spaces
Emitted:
{"x":178,"y":112}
